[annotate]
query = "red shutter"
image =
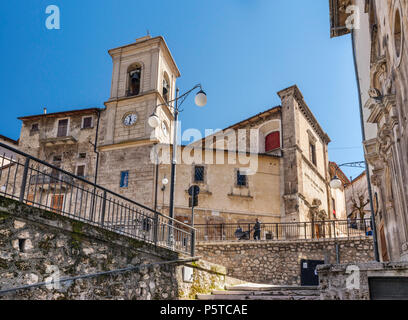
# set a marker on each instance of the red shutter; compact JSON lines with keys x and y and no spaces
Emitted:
{"x":272,"y":141}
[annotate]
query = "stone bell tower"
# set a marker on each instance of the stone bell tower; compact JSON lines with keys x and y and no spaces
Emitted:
{"x":144,"y":76}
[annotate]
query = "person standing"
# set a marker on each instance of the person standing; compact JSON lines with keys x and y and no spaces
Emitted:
{"x":257,"y":230}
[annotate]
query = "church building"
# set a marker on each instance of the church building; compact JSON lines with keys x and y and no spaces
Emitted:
{"x":281,"y":175}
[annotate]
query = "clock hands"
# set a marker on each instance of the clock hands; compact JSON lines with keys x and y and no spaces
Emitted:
{"x":130,"y":119}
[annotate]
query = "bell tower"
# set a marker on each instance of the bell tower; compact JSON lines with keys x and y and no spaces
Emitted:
{"x":144,"y":76}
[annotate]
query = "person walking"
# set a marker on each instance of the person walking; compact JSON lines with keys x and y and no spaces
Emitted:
{"x":257,"y":230}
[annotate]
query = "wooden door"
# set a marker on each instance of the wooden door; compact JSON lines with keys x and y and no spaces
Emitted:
{"x":57,"y":202}
{"x":317,"y":231}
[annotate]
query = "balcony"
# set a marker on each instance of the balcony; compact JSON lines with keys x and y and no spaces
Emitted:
{"x":45,"y":179}
{"x":49,"y":142}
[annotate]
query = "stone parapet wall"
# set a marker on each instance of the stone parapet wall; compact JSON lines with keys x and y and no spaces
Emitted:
{"x":278,"y":263}
{"x":34,"y":242}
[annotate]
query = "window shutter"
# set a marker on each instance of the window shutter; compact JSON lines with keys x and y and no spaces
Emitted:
{"x":272,"y":141}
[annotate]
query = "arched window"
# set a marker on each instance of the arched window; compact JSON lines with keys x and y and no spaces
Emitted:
{"x":166,"y":87}
{"x":272,"y":141}
{"x":135,"y":76}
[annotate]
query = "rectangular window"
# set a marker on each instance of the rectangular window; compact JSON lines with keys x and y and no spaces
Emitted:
{"x":334,"y":207}
{"x":124,"y":179}
{"x":82,"y":155}
{"x":62,"y":128}
{"x":199,"y":173}
{"x":87,"y":122}
{"x":56,"y":161}
{"x":34,"y":128}
{"x":241,"y":179}
{"x":81,"y":171}
{"x":312,"y":153}
{"x":147,"y":224}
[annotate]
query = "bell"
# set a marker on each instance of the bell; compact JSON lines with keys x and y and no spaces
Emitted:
{"x":136,"y":76}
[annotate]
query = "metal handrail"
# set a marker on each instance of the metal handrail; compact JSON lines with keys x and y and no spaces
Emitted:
{"x":282,"y":223}
{"x":90,"y":183}
{"x":103,"y":207}
{"x":97,"y":274}
{"x":326,"y":229}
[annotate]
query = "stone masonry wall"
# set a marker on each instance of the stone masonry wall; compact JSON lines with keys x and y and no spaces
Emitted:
{"x":278,"y":263}
{"x":351,"y":281}
{"x":34,"y":240}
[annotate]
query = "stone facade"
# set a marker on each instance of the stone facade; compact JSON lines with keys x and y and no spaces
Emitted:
{"x":34,"y":242}
{"x":279,"y":263}
{"x":289,"y":183}
{"x":381,"y":53}
{"x":306,"y":177}
{"x":221,"y":200}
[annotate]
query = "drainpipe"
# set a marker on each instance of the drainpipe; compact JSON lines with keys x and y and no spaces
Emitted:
{"x":374,"y":228}
{"x":96,"y":165}
{"x":156,"y":182}
{"x":337,"y":253}
{"x":95,"y":146}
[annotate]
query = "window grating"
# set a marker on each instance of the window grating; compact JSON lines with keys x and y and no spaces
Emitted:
{"x":241,"y":179}
{"x":199,"y":173}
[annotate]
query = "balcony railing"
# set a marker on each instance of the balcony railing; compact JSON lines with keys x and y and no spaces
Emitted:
{"x":43,"y":179}
{"x":42,"y":185}
{"x":329,"y":229}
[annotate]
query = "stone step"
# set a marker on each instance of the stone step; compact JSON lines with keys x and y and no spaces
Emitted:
{"x":270,"y":288}
{"x":269,"y":293}
{"x":212,"y":297}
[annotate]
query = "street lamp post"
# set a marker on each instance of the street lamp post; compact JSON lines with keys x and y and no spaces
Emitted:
{"x":154,"y":122}
{"x":336,"y":183}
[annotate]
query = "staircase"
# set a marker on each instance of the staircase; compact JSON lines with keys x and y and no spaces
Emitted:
{"x":263,"y":292}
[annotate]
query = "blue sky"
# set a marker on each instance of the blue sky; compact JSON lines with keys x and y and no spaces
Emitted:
{"x":242,"y":51}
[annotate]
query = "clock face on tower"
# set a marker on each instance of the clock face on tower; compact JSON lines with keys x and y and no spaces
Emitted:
{"x":129,"y":119}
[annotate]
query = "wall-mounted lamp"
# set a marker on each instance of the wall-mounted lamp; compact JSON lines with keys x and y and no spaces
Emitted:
{"x":165,"y":182}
